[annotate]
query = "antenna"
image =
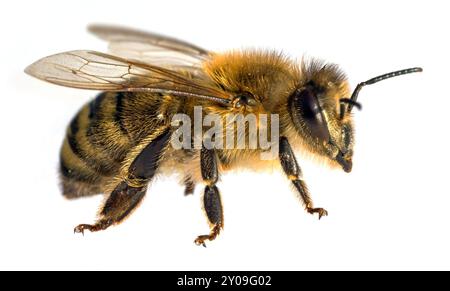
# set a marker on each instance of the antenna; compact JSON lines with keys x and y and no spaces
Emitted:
{"x":378,"y":79}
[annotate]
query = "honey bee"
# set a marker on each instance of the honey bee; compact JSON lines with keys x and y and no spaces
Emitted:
{"x":118,"y":142}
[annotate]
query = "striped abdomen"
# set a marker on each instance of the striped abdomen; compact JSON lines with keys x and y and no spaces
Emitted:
{"x":103,"y":132}
{"x":95,"y":145}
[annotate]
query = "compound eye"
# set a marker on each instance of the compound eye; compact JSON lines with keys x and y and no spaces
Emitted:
{"x":307,"y":107}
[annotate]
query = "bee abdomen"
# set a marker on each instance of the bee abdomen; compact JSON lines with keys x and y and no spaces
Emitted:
{"x":101,"y":135}
{"x":94,"y":147}
{"x":78,"y":176}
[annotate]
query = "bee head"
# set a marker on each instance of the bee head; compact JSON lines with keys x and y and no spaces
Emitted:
{"x":321,"y":106}
{"x":318,"y":111}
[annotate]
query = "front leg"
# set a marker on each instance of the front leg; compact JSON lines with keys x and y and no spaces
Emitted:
{"x":211,"y":197}
{"x":294,"y":173}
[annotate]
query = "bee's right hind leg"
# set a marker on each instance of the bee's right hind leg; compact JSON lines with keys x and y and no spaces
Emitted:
{"x":129,"y":192}
{"x":122,"y":200}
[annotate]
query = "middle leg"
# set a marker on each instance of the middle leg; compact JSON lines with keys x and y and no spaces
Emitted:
{"x":211,"y":197}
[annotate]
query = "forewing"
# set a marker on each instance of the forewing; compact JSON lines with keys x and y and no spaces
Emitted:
{"x":99,"y":71}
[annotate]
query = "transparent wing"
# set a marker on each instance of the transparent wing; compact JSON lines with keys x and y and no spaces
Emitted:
{"x":150,"y":48}
{"x":99,"y":71}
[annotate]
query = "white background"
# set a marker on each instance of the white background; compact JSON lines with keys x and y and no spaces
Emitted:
{"x":391,"y":212}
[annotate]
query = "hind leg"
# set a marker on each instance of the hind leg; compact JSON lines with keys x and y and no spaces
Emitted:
{"x":120,"y":203}
{"x":129,"y":192}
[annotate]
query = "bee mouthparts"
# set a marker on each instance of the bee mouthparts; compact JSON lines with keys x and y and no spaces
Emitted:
{"x":345,"y":164}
